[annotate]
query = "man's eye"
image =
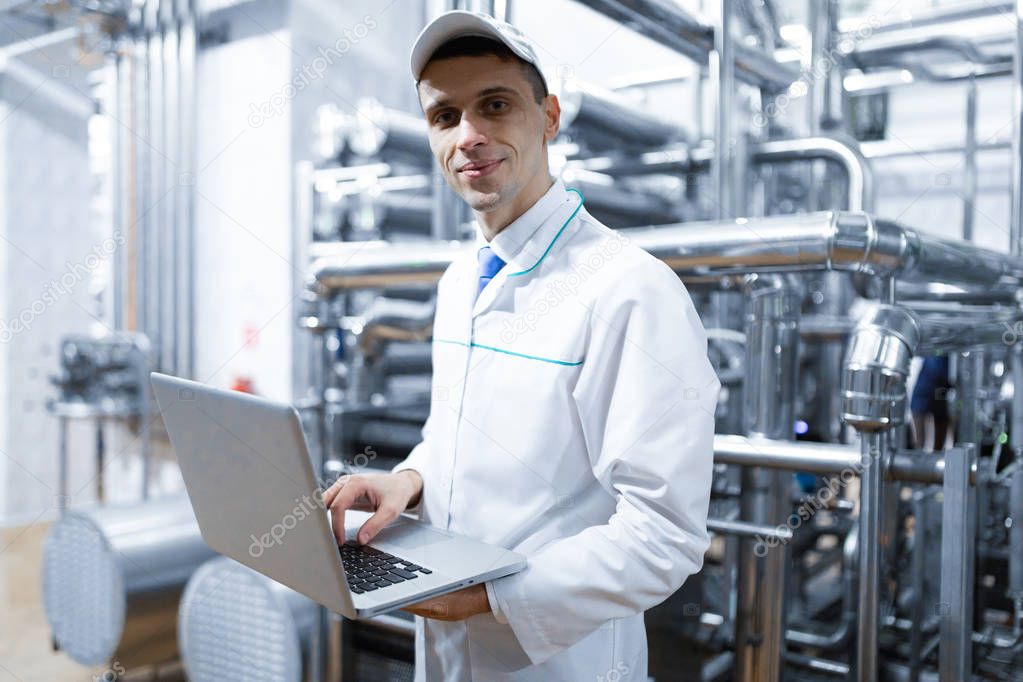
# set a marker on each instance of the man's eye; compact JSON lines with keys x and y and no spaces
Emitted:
{"x":443,"y":119}
{"x":497,"y":105}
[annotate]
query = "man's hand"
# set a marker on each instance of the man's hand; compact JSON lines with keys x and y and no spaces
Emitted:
{"x":388,"y":495}
{"x":459,"y":605}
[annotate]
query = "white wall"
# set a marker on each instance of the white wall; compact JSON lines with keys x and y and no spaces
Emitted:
{"x":243,"y":221}
{"x":45,"y":218}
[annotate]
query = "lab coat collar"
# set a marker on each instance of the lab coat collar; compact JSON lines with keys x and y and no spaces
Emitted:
{"x":525,"y":241}
{"x":519,"y":243}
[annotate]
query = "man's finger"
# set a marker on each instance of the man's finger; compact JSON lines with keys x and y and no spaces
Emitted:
{"x":385,"y":513}
{"x":331,"y":492}
{"x":346,"y":496}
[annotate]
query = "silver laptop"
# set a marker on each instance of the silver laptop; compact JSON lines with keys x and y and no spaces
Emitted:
{"x":250,"y":479}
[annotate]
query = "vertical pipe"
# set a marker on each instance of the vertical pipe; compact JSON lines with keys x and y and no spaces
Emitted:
{"x":121,"y":179}
{"x":970,"y":367}
{"x":186,"y":188}
{"x":169,"y":187}
{"x":919,"y":570}
{"x":957,"y":547}
{"x":154,"y":228}
{"x":870,"y":561}
{"x":1016,"y":221}
{"x":722,"y":70}
{"x":101,"y":455}
{"x":304,"y":349}
{"x":62,"y":465}
{"x":1016,"y":486}
{"x":970,"y":160}
{"x":772,"y":343}
{"x":142,"y":358}
{"x":141,"y":198}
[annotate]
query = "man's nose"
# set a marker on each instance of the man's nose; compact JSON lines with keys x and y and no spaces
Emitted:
{"x":470,"y":133}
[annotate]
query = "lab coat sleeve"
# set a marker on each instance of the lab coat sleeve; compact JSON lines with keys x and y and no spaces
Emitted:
{"x":417,"y":460}
{"x":645,"y":398}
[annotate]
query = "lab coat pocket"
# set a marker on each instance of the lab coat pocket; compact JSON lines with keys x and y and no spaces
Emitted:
{"x":493,"y":648}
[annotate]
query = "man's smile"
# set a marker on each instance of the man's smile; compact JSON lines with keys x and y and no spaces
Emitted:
{"x":479,"y":169}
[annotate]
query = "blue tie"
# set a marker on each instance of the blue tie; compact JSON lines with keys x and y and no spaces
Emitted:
{"x":489,"y":265}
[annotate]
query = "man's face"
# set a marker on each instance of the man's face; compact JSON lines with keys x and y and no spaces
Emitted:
{"x":486,"y":130}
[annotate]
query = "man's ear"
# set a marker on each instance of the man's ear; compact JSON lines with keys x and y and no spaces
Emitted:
{"x":552,"y":117}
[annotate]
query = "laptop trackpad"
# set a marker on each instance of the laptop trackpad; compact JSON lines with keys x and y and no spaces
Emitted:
{"x":410,"y":534}
{"x":403,"y":531}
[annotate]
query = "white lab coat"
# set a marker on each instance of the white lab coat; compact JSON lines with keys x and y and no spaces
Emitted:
{"x":571,"y":420}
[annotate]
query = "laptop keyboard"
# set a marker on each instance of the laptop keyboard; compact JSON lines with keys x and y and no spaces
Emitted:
{"x":370,"y":569}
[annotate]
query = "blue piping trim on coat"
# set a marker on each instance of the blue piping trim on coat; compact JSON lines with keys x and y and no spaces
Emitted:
{"x":562,"y":229}
{"x":510,"y":352}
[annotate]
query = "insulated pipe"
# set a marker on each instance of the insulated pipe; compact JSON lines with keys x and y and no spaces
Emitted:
{"x":671,"y":26}
{"x":965,"y":329}
{"x":386,"y":212}
{"x":698,"y":251}
{"x":611,"y":116}
{"x":909,"y":292}
{"x":888,"y":49}
{"x":604,"y":196}
{"x":846,"y":153}
{"x":379,"y":131}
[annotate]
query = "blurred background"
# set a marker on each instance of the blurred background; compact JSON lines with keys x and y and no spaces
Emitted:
{"x":241,"y":192}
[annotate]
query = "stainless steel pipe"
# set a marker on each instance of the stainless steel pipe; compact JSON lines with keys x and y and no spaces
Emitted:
{"x":701,"y":251}
{"x":611,"y":117}
{"x":671,"y":26}
{"x":846,"y":153}
{"x":874,"y":401}
{"x":772,"y":343}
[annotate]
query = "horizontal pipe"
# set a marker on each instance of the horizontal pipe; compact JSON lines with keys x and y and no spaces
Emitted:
{"x":378,"y":264}
{"x":816,"y":458}
{"x":705,"y":251}
{"x":912,"y":466}
{"x":587,"y":106}
{"x":944,"y":14}
{"x":671,"y":26}
{"x":820,"y":665}
{"x":965,"y":329}
{"x":744,"y":529}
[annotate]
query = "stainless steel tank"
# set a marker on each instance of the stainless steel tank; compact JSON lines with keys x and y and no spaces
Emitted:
{"x":112,"y":577}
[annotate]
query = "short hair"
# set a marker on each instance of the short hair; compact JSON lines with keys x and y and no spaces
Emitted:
{"x":478,"y":46}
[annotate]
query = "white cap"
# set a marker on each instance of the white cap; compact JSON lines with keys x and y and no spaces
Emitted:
{"x":458,"y":24}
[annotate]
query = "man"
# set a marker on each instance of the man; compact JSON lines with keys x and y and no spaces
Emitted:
{"x":572,"y":412}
